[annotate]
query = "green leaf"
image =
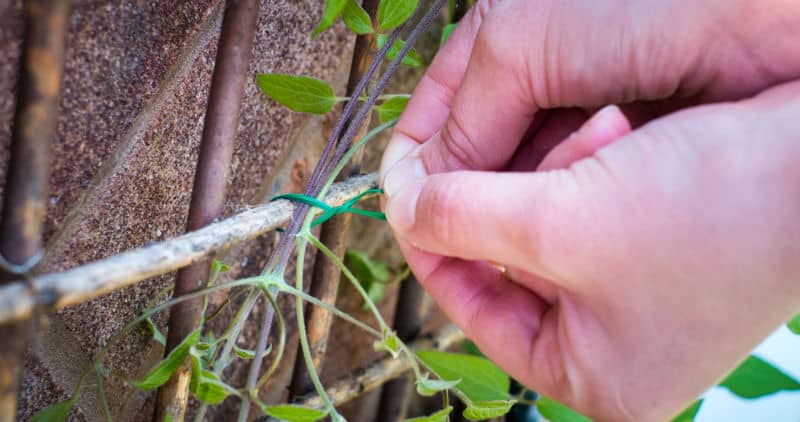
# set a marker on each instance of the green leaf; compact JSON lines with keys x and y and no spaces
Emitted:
{"x":376,"y":292}
{"x":428,"y":387}
{"x":161,"y":372}
{"x":244,"y":353}
{"x":218,"y":266}
{"x":392,"y":108}
{"x":478,"y":411}
{"x":471,"y":349}
{"x":298,"y":93}
{"x":356,"y":18}
{"x":554,"y":411}
{"x":756,"y":378}
{"x":689,"y":413}
{"x":390,"y":343}
{"x":794,"y":324}
{"x":392,"y":13}
{"x":57,"y":412}
{"x":332,"y":10}
{"x":292,"y":413}
{"x":446,"y":32}
{"x":440,"y":416}
{"x":209,"y":389}
{"x":481,"y":380}
{"x":364,"y":268}
{"x":157,"y":336}
{"x":412,"y":59}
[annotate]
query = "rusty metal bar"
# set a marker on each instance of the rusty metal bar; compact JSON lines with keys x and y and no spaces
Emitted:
{"x":24,"y":202}
{"x":408,"y":320}
{"x":210,"y":182}
{"x":326,"y":275}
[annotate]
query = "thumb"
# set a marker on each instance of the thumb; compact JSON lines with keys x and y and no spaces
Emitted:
{"x":517,"y":219}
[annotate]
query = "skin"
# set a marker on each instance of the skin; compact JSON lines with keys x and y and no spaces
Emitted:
{"x":622,"y":263}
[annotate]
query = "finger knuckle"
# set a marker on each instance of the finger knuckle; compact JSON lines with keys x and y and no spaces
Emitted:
{"x":459,"y":144}
{"x":441,"y":209}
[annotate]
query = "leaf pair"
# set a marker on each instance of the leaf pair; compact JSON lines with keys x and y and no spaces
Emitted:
{"x":391,"y":14}
{"x":479,"y":383}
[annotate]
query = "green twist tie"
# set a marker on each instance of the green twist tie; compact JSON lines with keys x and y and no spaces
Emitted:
{"x":328,"y":211}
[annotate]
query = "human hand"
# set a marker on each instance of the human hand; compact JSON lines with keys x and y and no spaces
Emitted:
{"x":639,"y":273}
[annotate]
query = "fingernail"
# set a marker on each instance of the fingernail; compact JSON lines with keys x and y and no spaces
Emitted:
{"x":401,"y":210}
{"x":409,"y":170}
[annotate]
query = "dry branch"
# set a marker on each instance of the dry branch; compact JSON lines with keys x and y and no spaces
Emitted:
{"x":375,"y":375}
{"x":58,"y":290}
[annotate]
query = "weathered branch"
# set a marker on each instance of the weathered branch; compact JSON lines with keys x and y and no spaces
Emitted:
{"x":374,"y":375}
{"x":58,"y":290}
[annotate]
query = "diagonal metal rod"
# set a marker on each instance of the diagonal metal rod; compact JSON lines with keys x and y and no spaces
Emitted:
{"x":24,"y":202}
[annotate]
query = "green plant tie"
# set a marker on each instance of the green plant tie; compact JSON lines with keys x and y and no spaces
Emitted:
{"x":328,"y":211}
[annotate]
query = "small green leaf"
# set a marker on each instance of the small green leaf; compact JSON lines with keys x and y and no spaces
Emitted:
{"x":392,"y":13}
{"x":440,"y":416}
{"x":446,"y":32}
{"x":292,"y":413}
{"x":57,"y":412}
{"x":554,"y":411}
{"x":218,"y":266}
{"x":298,"y":93}
{"x":478,"y":411}
{"x":161,"y":372}
{"x":356,"y":18}
{"x":412,"y":59}
{"x":689,"y":413}
{"x":244,"y":353}
{"x":756,"y":378}
{"x":481,"y":380}
{"x":392,"y":108}
{"x":332,"y":10}
{"x":209,"y":389}
{"x":428,"y":387}
{"x":390,"y":343}
{"x":363,"y":267}
{"x":471,"y":349}
{"x":794,"y":324}
{"x":157,"y":336}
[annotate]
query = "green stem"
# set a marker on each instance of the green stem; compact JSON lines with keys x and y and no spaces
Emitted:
{"x":332,"y":309}
{"x":305,"y":234}
{"x":101,"y":392}
{"x":281,"y":345}
{"x":301,"y":329}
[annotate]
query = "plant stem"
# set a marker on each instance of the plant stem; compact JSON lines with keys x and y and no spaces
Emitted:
{"x":332,"y":309}
{"x":281,"y":346}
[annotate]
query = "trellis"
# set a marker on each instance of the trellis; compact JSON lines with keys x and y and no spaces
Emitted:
{"x":24,"y":295}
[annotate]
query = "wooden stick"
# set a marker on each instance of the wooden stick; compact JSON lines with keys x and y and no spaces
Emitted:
{"x":58,"y":290}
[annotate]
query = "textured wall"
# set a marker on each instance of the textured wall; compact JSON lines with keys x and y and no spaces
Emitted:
{"x":134,"y":96}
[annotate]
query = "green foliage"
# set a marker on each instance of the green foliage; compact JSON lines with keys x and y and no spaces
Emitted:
{"x":756,"y":378}
{"x":57,"y":412}
{"x":392,"y":13}
{"x":218,"y":266}
{"x":292,"y":413}
{"x":155,"y":332}
{"x":298,"y":93}
{"x":794,"y":324}
{"x":412,"y":59}
{"x":390,"y":343}
{"x":244,"y":353}
{"x":471,"y":349}
{"x":164,"y":370}
{"x":209,"y":389}
{"x":440,"y":416}
{"x":331,"y":11}
{"x":446,"y":32}
{"x":478,"y":411}
{"x":356,"y":18}
{"x":392,"y":108}
{"x":481,"y":380}
{"x":428,"y":387}
{"x":371,"y":274}
{"x":689,"y":413}
{"x":554,"y":411}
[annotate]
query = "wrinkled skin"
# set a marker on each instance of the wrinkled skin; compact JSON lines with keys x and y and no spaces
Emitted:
{"x":621,"y":260}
